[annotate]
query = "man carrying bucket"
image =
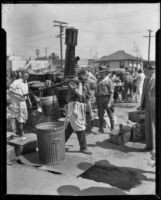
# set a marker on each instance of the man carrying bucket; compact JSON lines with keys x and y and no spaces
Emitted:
{"x":78,"y":96}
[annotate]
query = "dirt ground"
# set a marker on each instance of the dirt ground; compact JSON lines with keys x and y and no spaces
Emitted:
{"x":24,"y":179}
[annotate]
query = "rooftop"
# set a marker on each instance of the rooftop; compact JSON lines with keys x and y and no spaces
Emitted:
{"x":119,"y":55}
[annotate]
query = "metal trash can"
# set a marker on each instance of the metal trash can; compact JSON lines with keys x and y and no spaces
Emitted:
{"x":51,"y":142}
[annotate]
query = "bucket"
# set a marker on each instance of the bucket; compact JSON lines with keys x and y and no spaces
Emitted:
{"x":36,"y":86}
{"x":51,"y":142}
{"x":49,"y":104}
{"x":93,"y":85}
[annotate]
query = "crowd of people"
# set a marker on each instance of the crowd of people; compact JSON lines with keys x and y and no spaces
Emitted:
{"x":85,"y":90}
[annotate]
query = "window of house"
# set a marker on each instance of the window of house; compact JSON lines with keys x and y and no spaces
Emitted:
{"x":122,"y":65}
{"x":108,"y":64}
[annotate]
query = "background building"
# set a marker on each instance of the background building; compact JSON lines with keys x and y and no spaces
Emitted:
{"x":120,"y":59}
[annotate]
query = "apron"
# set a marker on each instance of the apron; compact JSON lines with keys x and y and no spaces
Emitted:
{"x":76,"y":116}
{"x":19,"y":110}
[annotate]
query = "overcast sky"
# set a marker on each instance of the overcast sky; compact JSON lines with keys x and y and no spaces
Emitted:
{"x":102,"y":28}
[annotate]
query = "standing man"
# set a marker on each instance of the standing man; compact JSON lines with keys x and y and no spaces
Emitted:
{"x":104,"y":98}
{"x":148,"y":103}
{"x":128,"y":84}
{"x":17,"y":91}
{"x":78,"y":97}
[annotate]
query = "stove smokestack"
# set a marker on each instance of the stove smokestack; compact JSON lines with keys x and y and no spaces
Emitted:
{"x":70,"y":60}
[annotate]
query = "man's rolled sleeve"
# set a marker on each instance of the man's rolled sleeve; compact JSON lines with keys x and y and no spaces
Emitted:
{"x":110,"y":86}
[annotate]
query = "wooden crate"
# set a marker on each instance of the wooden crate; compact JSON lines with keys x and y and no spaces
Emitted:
{"x":136,"y":116}
{"x":138,"y":134}
{"x":24,"y":146}
{"x":119,"y":139}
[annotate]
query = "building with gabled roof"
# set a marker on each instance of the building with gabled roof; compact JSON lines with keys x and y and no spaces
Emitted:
{"x":120,"y":59}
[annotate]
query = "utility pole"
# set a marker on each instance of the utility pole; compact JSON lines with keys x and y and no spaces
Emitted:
{"x":96,"y":55}
{"x":37,"y":52}
{"x":61,"y":25}
{"x":149,"y":36}
{"x":90,"y":54}
{"x":46,"y":52}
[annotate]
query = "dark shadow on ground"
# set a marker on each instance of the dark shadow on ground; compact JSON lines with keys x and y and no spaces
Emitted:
{"x":122,"y":177}
{"x":106,"y":144}
{"x":84,"y":165}
{"x":71,"y":151}
{"x":72,"y":190}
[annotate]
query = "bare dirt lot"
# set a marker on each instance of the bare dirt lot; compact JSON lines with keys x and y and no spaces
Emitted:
{"x":24,"y":179}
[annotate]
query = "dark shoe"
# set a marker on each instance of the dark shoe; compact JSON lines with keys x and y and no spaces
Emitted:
{"x":88,"y":132}
{"x":138,"y":108}
{"x":85,"y":151}
{"x":101,"y":130}
{"x":146,"y":149}
{"x":96,"y":133}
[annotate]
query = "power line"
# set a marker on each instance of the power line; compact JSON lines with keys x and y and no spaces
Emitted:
{"x":134,"y":11}
{"x":116,"y":17}
{"x":22,"y":42}
{"x":111,"y":33}
{"x":87,"y":21}
{"x":90,"y":31}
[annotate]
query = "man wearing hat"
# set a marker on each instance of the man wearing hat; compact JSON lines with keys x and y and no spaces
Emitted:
{"x":104,"y":97}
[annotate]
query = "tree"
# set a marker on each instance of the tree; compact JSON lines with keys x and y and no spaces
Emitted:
{"x":53,"y":56}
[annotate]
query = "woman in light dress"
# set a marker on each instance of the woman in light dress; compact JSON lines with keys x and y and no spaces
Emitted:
{"x":139,"y":84}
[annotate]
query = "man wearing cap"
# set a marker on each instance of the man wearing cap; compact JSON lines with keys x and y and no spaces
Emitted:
{"x":78,"y":97}
{"x":104,"y":97}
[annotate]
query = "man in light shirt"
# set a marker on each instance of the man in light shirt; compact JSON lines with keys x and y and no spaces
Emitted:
{"x":104,"y":96}
{"x":17,"y":91}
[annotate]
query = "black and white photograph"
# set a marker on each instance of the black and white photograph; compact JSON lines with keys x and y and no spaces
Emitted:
{"x":80,"y":98}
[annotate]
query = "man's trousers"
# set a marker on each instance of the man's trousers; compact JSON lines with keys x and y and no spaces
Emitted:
{"x":80,"y":134}
{"x":102,"y":102}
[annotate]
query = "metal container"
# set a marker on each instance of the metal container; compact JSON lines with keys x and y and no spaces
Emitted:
{"x":48,"y":104}
{"x":51,"y":142}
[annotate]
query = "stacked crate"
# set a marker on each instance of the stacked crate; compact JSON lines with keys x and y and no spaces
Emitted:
{"x":20,"y":145}
{"x":121,"y":135}
{"x":138,"y":131}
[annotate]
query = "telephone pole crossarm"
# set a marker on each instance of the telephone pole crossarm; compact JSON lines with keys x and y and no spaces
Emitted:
{"x":149,"y":36}
{"x":61,"y":25}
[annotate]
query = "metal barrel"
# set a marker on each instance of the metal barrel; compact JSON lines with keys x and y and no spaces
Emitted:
{"x":51,"y":142}
{"x":48,"y":104}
